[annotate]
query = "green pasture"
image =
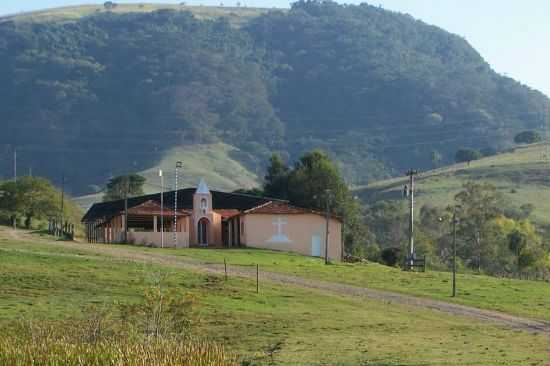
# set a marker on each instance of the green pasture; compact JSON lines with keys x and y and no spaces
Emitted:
{"x":39,"y":281}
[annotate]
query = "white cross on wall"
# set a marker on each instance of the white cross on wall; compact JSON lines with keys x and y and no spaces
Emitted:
{"x":280,"y":222}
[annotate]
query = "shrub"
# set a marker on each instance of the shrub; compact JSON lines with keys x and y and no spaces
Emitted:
{"x":372,"y":252}
{"x":466,"y":155}
{"x":527,"y":137}
{"x":390,"y":256}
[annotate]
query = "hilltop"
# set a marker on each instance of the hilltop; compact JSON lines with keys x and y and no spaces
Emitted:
{"x":91,"y":94}
{"x":520,"y":174}
{"x":236,"y":15}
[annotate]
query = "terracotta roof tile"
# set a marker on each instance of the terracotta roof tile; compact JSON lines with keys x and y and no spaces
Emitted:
{"x":283,"y":208}
{"x":227,"y":213}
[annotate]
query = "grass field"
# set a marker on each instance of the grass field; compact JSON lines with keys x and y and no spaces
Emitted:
{"x":521,"y":175}
{"x":518,"y":297}
{"x":236,"y":15}
{"x":213,"y":162}
{"x":40,"y":281}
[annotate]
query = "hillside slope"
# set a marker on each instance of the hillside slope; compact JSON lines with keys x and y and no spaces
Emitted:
{"x":236,"y":15}
{"x":215,"y":163}
{"x":520,"y":174}
{"x":378,"y":90}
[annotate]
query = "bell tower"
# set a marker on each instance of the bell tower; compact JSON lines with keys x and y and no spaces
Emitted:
{"x":202,"y":200}
{"x":203,"y":217}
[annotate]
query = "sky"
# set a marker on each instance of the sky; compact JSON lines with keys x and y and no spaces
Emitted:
{"x":512,"y":35}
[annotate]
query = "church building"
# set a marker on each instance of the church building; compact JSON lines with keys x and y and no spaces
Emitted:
{"x":212,"y":219}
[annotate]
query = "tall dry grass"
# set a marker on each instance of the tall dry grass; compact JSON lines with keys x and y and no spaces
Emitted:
{"x":158,"y":331}
{"x":63,"y":352}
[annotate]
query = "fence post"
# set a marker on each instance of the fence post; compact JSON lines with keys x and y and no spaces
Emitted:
{"x":257,"y":278}
{"x":225,"y":268}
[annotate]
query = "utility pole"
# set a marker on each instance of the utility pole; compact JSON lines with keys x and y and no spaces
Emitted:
{"x":15,"y":165}
{"x":455,"y":221}
{"x":411,"y":173}
{"x":179,"y":165}
{"x":328,"y":196}
{"x":15,"y":181}
{"x":62,"y":198}
{"x":161,"y":208}
{"x":127,"y":188}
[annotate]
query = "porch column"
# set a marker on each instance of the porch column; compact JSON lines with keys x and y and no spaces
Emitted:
{"x":238,"y":231}
{"x":230,"y":233}
{"x":155,"y":224}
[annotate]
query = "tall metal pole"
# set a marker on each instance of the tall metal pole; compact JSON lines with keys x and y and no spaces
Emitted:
{"x":127,"y":188}
{"x":327,"y":192}
{"x":62,"y":199}
{"x":178,"y":166}
{"x":411,"y":173}
{"x":15,"y":165}
{"x":161,"y":209}
{"x":15,"y":181}
{"x":454,"y":252}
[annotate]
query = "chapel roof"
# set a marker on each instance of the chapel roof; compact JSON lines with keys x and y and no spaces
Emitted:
{"x":220,"y":201}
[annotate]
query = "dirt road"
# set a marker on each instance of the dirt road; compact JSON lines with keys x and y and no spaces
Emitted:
{"x":509,"y":321}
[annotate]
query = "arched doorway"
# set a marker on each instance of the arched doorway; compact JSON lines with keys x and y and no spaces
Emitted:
{"x":202,"y":231}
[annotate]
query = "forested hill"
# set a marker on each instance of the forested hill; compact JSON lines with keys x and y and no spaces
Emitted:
{"x":112,"y":92}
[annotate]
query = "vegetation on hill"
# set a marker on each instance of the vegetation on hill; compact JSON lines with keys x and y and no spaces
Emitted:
{"x":503,"y":224}
{"x":378,"y":90}
{"x":237,"y":16}
{"x":519,"y":174}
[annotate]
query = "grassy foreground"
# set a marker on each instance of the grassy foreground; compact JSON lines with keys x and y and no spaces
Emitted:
{"x":525,"y":298}
{"x":280,"y":325}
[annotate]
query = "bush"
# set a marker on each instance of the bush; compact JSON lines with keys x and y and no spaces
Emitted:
{"x":527,"y":137}
{"x":372,"y":252}
{"x":488,"y":151}
{"x":390,"y":256}
{"x":466,"y":155}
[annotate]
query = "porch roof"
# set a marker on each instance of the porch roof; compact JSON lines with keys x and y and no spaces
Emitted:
{"x":152,"y":208}
{"x":220,"y":201}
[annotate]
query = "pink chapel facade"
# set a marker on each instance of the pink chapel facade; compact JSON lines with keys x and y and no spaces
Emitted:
{"x":213,"y":219}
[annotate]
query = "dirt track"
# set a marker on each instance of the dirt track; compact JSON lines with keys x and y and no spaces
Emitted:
{"x":509,"y":321}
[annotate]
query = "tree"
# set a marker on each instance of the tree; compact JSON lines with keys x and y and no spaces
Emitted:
{"x":479,"y":204}
{"x":435,"y":157}
{"x":109,"y":5}
{"x":467,"y":155}
{"x":276,"y":178}
{"x":517,"y":242}
{"x":313,"y":174}
{"x":527,"y":137}
{"x":124,"y":186}
{"x":31,"y":198}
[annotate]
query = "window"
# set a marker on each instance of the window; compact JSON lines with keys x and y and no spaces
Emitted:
{"x":204,"y":204}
